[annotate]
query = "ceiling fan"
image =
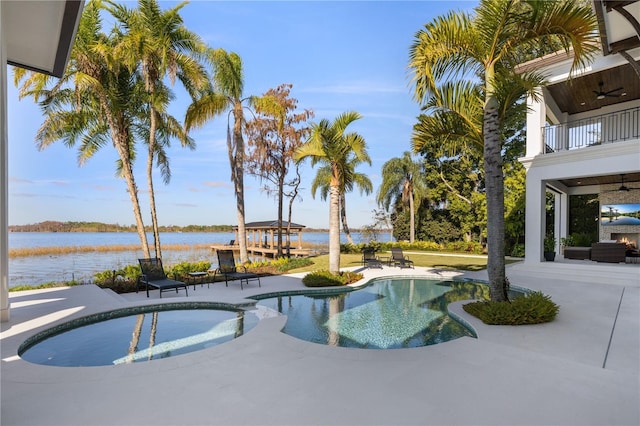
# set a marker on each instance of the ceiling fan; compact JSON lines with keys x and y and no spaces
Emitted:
{"x":623,"y":187}
{"x":601,"y":94}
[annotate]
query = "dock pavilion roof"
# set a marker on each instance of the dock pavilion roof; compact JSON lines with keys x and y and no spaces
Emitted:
{"x":270,"y":224}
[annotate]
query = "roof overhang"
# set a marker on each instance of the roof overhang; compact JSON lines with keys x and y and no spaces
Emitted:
{"x":618,"y":24}
{"x":38,"y":34}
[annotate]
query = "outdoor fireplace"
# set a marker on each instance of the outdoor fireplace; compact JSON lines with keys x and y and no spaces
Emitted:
{"x":630,"y":239}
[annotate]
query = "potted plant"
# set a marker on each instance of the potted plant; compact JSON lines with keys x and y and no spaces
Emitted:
{"x":549,"y":248}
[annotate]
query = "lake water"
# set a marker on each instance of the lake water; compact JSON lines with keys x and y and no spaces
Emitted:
{"x":34,"y":270}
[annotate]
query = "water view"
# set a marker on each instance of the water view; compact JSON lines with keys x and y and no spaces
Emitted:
{"x":34,"y":270}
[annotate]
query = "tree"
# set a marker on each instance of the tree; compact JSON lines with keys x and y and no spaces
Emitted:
{"x":402,"y":180}
{"x":329,"y":145}
{"x":322,"y":181}
{"x":273,"y":137}
{"x":158,"y":45}
{"x":501,"y":35}
{"x":226,"y":95}
{"x":97,"y":100}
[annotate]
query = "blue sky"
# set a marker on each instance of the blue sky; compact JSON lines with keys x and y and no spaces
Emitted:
{"x":339,"y":56}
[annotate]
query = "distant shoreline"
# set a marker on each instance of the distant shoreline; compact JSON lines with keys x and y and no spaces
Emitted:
{"x":56,"y":226}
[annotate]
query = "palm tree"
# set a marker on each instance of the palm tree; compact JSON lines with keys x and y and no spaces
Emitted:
{"x":450,"y":130}
{"x":402,"y":179}
{"x":96,"y":101}
{"x":226,"y":95}
{"x":157,"y":44}
{"x":502,"y":34}
{"x":328,"y":144}
{"x":322,"y":181}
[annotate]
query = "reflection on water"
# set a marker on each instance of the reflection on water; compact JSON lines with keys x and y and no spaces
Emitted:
{"x":140,"y":337}
{"x":81,"y":267}
{"x":390,"y":313}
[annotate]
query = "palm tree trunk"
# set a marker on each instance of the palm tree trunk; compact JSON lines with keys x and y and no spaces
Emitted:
{"x":121,"y":144}
{"x":238,"y":178}
{"x":334,"y":229}
{"x":152,"y":197}
{"x":151,"y":89}
{"x":343,"y":217}
{"x":132,"y":189}
{"x":495,"y":196}
{"x":412,"y":219}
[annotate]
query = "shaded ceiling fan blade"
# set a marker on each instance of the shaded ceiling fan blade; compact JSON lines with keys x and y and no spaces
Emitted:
{"x":614,"y":90}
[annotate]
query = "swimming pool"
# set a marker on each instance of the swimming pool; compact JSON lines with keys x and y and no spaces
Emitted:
{"x":386,"y":314}
{"x":140,"y":334}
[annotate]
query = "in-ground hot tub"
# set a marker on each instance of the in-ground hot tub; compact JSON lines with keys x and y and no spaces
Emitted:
{"x":137,"y":334}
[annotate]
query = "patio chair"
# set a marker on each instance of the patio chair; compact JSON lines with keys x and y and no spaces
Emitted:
{"x":153,"y":275}
{"x":369,"y":258}
{"x":227,"y":267}
{"x":398,"y":258}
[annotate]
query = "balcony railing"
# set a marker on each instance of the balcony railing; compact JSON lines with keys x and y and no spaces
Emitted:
{"x":608,"y":128}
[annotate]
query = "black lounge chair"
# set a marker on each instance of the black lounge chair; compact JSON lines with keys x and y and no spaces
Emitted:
{"x":153,"y":275}
{"x":398,"y":258}
{"x":227,"y":267}
{"x":369,"y":258}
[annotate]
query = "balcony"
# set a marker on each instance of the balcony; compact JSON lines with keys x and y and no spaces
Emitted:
{"x":598,"y":130}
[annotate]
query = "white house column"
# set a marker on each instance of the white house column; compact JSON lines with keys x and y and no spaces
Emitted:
{"x":535,"y":122}
{"x":535,"y":218}
{"x":559,"y":218}
{"x":563,"y":219}
{"x":4,"y":181}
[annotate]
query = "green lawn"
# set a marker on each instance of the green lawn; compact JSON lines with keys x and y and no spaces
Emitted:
{"x":431,"y":259}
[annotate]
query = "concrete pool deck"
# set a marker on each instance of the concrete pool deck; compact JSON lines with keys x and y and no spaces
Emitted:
{"x":581,"y":369}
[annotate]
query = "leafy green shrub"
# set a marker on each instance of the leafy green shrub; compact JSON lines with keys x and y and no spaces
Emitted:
{"x":283,"y":264}
{"x":583,"y":239}
{"x":181,"y":270}
{"x":122,"y":280}
{"x":533,"y":308}
{"x":357,"y":248}
{"x":465,"y":246}
{"x":518,"y":250}
{"x":278,"y":266}
{"x":325,"y":278}
{"x":453,"y":246}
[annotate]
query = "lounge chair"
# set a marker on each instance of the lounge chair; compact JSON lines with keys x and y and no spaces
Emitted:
{"x":227,"y":267}
{"x":369,"y":258}
{"x":231,"y":243}
{"x":398,"y":258}
{"x":153,"y":275}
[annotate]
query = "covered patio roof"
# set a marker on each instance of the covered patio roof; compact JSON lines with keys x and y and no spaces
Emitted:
{"x":39,"y":34}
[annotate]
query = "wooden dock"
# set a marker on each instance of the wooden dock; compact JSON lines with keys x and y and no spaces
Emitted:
{"x":264,"y":251}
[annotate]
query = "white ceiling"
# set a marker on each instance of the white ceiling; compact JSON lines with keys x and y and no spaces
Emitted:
{"x":38,"y":35}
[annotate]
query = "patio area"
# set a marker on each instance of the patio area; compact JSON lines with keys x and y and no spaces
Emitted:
{"x":581,"y":369}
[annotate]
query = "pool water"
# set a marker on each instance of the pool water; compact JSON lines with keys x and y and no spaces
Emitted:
{"x":387,"y":314}
{"x":138,"y":337}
